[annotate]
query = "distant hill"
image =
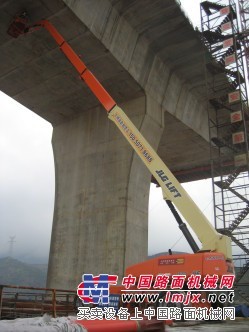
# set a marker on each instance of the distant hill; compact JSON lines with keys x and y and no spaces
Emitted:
{"x":14,"y":272}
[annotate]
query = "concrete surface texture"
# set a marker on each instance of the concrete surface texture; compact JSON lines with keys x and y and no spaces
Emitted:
{"x":149,"y":57}
{"x":100,"y":219}
{"x":155,"y":43}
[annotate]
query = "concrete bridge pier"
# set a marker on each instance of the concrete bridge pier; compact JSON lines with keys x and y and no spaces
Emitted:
{"x":102,"y":189}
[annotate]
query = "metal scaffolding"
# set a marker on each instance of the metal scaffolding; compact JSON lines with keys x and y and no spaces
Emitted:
{"x":225,"y":36}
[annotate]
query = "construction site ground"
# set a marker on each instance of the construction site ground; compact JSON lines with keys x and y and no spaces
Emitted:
{"x":63,"y":324}
{"x":228,"y":326}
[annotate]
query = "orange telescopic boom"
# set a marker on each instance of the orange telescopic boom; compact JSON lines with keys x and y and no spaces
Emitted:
{"x":92,"y":82}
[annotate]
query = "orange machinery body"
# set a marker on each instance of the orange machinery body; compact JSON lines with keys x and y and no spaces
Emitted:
{"x":202,"y":263}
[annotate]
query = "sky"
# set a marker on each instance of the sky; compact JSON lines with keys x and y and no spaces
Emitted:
{"x":27,"y":185}
{"x":27,"y":182}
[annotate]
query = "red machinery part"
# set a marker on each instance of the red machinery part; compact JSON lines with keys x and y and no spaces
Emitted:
{"x":19,"y":25}
{"x":152,"y":325}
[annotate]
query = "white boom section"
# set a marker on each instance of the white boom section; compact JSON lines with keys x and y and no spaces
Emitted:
{"x":172,"y":189}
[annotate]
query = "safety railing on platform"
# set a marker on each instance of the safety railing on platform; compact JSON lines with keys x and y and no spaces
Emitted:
{"x":21,"y":301}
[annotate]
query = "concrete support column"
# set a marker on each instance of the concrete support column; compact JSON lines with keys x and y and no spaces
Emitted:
{"x":102,"y":189}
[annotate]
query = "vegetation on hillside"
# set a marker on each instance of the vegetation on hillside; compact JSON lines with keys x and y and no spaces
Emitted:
{"x":14,"y":272}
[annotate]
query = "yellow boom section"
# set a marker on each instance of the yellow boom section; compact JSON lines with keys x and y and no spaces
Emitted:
{"x":172,"y":189}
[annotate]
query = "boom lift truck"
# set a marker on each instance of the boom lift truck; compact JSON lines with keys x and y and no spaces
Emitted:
{"x":215,"y":255}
